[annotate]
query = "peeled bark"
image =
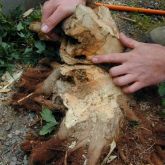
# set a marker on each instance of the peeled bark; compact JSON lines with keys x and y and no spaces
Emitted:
{"x":93,"y":116}
{"x":92,"y":32}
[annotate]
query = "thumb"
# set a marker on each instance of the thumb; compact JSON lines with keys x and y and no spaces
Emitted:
{"x":128,"y":42}
{"x":50,"y":23}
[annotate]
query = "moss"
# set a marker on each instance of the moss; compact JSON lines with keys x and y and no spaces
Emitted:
{"x":146,"y":22}
{"x":143,"y":22}
{"x":131,"y":3}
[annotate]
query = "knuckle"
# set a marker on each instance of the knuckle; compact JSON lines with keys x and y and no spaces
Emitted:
{"x":65,"y":9}
{"x":46,"y":6}
{"x":117,"y":81}
{"x":50,"y":21}
{"x":105,"y":58}
{"x":131,"y":42}
{"x":114,"y":58}
{"x":112,"y":72}
{"x":62,"y":8}
{"x":141,"y":77}
{"x":133,"y":55}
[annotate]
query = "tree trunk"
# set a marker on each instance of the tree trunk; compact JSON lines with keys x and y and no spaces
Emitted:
{"x":95,"y":106}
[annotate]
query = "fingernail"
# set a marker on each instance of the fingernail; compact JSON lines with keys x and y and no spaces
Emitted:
{"x":95,"y":60}
{"x":44,"y":28}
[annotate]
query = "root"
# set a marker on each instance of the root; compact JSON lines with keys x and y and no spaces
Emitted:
{"x":48,"y":103}
{"x":160,"y":135}
{"x":25,"y":98}
{"x":160,"y":152}
{"x":122,"y":155}
{"x":30,"y":81}
{"x":94,"y":152}
{"x":28,"y":146}
{"x":155,"y":159}
{"x":45,"y":152}
{"x":128,"y":112}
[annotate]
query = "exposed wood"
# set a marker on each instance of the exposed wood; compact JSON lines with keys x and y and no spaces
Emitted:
{"x":92,"y":32}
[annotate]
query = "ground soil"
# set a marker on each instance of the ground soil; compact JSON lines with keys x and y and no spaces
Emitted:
{"x":133,"y":148}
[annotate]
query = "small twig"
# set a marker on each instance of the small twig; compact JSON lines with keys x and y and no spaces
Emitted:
{"x":5,"y":90}
{"x":26,"y":97}
{"x":145,"y":129}
{"x":66,"y":157}
{"x":107,"y":158}
{"x":127,"y":19}
{"x":147,"y":149}
{"x":86,"y":160}
{"x":123,"y":157}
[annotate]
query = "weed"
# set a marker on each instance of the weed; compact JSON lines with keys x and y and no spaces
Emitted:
{"x":50,"y":120}
{"x":161,"y":91}
{"x":17,"y":42}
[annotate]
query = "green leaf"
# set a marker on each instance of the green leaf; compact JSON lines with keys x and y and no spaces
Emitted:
{"x":161,"y":89}
{"x":48,"y":128}
{"x":48,"y":116}
{"x":5,"y":45}
{"x":2,"y":62}
{"x":28,"y":50}
{"x":20,"y":26}
{"x":15,"y":55}
{"x":36,"y":15}
{"x":17,"y":42}
{"x":40,"y":46}
{"x":21,"y":35}
{"x":51,"y":121}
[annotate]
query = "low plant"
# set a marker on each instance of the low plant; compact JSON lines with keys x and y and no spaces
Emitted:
{"x":50,"y":121}
{"x":17,"y":42}
{"x":161,"y":91}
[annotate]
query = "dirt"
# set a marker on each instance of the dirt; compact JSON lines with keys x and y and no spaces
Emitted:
{"x":135,"y":144}
{"x":140,"y":142}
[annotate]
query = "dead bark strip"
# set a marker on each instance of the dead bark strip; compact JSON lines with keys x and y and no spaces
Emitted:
{"x":91,"y":32}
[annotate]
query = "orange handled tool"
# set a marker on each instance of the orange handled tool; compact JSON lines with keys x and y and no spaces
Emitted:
{"x":131,"y":9}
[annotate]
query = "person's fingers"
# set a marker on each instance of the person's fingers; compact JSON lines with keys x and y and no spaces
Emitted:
{"x":118,"y":70}
{"x":54,"y":19}
{"x":112,"y":58}
{"x":128,"y":42}
{"x":133,"y":87}
{"x":47,"y":11}
{"x":124,"y":80}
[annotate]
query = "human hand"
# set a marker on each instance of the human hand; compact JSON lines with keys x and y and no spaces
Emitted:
{"x":54,"y":11}
{"x":143,"y":66}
